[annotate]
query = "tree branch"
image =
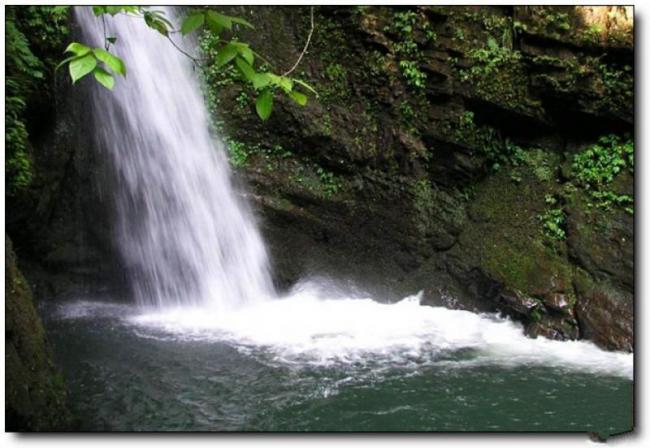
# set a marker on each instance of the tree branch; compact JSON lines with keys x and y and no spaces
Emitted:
{"x":194,"y":59}
{"x":304,"y":50}
{"x":104,"y":31}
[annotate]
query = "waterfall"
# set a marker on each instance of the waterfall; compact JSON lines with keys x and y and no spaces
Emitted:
{"x":183,"y":234}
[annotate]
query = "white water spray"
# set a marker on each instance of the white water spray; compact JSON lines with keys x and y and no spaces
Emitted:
{"x":184,"y":235}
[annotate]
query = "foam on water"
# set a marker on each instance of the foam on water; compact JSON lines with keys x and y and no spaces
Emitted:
{"x":309,"y":328}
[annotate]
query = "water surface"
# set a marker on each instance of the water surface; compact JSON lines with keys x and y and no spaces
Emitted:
{"x":354,"y":365}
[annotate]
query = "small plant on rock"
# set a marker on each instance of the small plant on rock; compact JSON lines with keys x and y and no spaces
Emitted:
{"x":597,"y":166}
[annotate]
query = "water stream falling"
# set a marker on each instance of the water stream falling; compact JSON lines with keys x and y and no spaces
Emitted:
{"x":183,"y":233}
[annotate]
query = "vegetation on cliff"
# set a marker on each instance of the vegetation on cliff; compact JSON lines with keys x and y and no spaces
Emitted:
{"x":33,"y":35}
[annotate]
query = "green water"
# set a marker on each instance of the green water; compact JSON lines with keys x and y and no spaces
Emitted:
{"x":122,"y":378}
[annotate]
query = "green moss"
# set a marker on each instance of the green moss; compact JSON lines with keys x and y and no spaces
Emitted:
{"x":35,"y":394}
{"x":377,"y":67}
{"x":242,"y":154}
{"x":406,"y":112}
{"x":485,"y":140}
{"x":509,"y":244}
{"x":364,"y":144}
{"x":554,"y":22}
{"x":543,"y":164}
{"x":515,"y":266}
{"x":326,"y":124}
{"x":316,"y":180}
{"x":491,"y":68}
{"x":423,"y":204}
{"x":330,"y":44}
{"x":536,"y":315}
{"x":497,"y":74}
{"x":337,"y":88}
{"x":488,"y":21}
{"x":592,"y":34}
{"x":329,"y":183}
{"x":238,"y":152}
{"x":618,"y":82}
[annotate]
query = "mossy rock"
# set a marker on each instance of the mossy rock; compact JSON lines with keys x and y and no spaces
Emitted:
{"x":508,"y":239}
{"x":35,"y":393}
{"x":506,"y":243}
{"x":602,"y":240}
{"x":605,"y":313}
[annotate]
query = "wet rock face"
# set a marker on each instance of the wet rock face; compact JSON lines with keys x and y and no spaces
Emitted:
{"x":62,"y":226}
{"x":606,"y":318}
{"x":35,"y":393}
{"x":603,"y":243}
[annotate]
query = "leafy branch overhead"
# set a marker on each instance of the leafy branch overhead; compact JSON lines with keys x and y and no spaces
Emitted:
{"x":104,"y":65}
{"x":97,"y":61}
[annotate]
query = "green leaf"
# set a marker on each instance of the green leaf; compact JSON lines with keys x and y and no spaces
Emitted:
{"x":163,"y":19}
{"x":261,"y":80}
{"x":99,"y":10}
{"x":155,"y":21}
{"x":226,"y":54}
{"x":77,"y":48}
{"x":492,"y":43}
{"x":298,"y":97}
{"x":219,"y":20}
{"x":241,"y":21}
{"x":160,"y":16}
{"x":134,"y":9}
{"x":59,"y":9}
{"x":80,"y":67}
{"x":247,"y":54}
{"x":114,"y":63}
{"x":285,"y":84}
{"x":65,"y":61}
{"x":148,"y":19}
{"x":264,"y":104}
{"x":160,"y":26}
{"x":246,"y":70}
{"x":192,"y":22}
{"x":306,"y":86}
{"x":104,"y":78}
{"x":244,"y":51}
{"x":215,"y":27}
{"x":113,"y":10}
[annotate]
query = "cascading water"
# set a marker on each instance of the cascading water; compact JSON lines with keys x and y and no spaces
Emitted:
{"x":185,"y":237}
